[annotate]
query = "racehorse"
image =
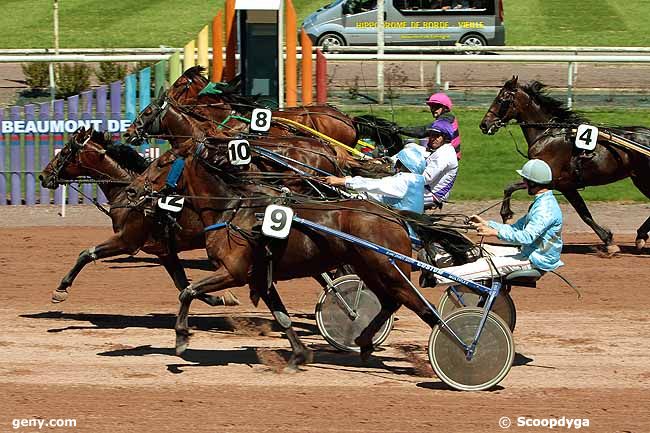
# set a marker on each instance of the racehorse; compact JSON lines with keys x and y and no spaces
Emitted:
{"x":546,"y":125}
{"x":90,"y":153}
{"x":227,"y":105}
{"x":166,"y":118}
{"x":243,"y":256}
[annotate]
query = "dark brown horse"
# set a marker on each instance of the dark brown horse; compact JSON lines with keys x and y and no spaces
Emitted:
{"x":227,"y":106}
{"x":91,"y":154}
{"x":164,"y":118}
{"x":547,"y":127}
{"x":243,"y":256}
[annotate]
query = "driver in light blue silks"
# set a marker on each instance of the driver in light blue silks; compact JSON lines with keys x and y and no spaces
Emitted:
{"x":404,"y":190}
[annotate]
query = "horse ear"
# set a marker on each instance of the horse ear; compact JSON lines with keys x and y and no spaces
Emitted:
{"x":511,"y":84}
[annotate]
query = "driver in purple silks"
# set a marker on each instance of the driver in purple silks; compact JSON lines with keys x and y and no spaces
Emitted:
{"x":440,"y":105}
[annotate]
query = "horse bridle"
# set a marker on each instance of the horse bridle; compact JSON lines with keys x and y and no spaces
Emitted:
{"x":76,"y":149}
{"x":504,"y":107}
{"x":152,"y":122}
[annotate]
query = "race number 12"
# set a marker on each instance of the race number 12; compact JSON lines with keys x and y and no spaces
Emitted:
{"x":586,"y":137}
{"x":277,"y":221}
{"x":261,"y":120}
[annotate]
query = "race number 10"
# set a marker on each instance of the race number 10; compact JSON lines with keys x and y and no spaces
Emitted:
{"x":277,"y":221}
{"x":586,"y":137}
{"x":261,"y":120}
{"x":239,"y":152}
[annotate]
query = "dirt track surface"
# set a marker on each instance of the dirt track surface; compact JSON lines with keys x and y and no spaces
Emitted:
{"x":105,"y":357}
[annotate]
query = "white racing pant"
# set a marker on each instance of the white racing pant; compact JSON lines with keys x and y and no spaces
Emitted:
{"x":505,"y":259}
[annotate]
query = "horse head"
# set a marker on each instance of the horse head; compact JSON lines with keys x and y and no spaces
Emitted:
{"x":187,"y":87}
{"x":148,"y":122}
{"x":79,"y":157}
{"x":505,"y":107}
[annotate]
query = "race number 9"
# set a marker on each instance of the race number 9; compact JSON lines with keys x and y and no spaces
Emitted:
{"x":277,"y":221}
{"x":586,"y":137}
{"x":261,"y":120}
{"x":239,"y":152}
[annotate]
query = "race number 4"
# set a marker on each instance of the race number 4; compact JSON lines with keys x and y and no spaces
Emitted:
{"x":171,"y":203}
{"x":277,"y":221}
{"x":239,"y":152}
{"x":586,"y":137}
{"x":261,"y":120}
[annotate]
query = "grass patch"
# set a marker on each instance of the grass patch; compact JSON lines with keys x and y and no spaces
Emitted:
{"x":489,"y":162}
{"x":149,"y":23}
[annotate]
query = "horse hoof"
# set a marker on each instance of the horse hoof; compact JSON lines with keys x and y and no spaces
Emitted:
{"x":291,"y":369}
{"x":613,"y":249}
{"x":640,"y":244}
{"x":230,"y":300}
{"x":182,"y":342}
{"x":59,"y":296}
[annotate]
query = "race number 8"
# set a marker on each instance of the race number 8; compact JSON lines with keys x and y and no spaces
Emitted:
{"x":261,"y":120}
{"x":277,"y":221}
{"x":239,"y":152}
{"x":586,"y":137}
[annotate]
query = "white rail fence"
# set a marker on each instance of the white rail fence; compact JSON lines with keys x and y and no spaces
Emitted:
{"x":618,"y":55}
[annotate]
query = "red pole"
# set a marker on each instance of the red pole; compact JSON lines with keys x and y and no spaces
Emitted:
{"x":231,"y":41}
{"x":290,"y":69}
{"x":321,"y":77}
{"x":217,"y":44}
{"x":307,"y":79}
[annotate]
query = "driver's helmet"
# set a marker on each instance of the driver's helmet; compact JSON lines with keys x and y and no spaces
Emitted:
{"x":537,"y":171}
{"x":442,"y":127}
{"x":412,"y":159}
{"x":440,"y":99}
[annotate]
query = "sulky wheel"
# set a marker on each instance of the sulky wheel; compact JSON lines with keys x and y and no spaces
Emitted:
{"x":337,"y":325}
{"x":463,"y":296}
{"x":492,"y":358}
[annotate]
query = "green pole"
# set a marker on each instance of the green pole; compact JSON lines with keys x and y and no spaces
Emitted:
{"x":175,"y":67}
{"x":160,"y":71}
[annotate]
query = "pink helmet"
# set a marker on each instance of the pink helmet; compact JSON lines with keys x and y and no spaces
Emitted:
{"x":441,"y":99}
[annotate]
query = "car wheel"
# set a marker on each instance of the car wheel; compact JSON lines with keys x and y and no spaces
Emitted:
{"x":331,"y":41}
{"x":473,"y":40}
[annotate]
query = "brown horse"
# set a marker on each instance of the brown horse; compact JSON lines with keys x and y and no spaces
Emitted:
{"x":227,"y":106}
{"x":165,"y":118}
{"x":547,"y":126}
{"x":89,"y":153}
{"x":243,"y":256}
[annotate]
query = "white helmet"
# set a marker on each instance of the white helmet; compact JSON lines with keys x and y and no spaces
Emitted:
{"x":537,"y":171}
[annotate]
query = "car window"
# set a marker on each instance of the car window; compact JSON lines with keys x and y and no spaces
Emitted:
{"x":420,"y":7}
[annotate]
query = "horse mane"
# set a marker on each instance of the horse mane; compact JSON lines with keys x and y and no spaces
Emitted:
{"x":125,"y":156}
{"x":538,"y":91}
{"x":195,"y":72}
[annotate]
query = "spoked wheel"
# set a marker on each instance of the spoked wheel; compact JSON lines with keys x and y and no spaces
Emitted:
{"x":492,"y":358}
{"x":462,"y":296}
{"x":343,"y":312}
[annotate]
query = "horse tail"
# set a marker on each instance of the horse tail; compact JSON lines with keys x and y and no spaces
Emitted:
{"x":382,"y":131}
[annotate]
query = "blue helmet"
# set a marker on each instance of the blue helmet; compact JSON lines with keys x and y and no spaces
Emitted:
{"x":442,"y":127}
{"x":412,"y":159}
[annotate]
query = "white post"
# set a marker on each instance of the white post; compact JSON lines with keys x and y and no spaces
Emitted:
{"x":380,"y":50}
{"x":56,"y":49}
{"x":438,"y":77}
{"x":421,"y":73}
{"x":569,"y":87}
{"x":64,"y":198}
{"x":281,"y":54}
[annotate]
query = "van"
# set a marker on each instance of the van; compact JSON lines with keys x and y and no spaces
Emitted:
{"x":408,"y":22}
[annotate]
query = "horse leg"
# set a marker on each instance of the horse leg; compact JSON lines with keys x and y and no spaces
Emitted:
{"x":642,"y":232}
{"x":580,"y":206}
{"x":112,"y":247}
{"x":221,"y":279}
{"x":364,"y":340}
{"x":173,"y":267}
{"x":300,"y":353}
{"x":506,"y":212}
